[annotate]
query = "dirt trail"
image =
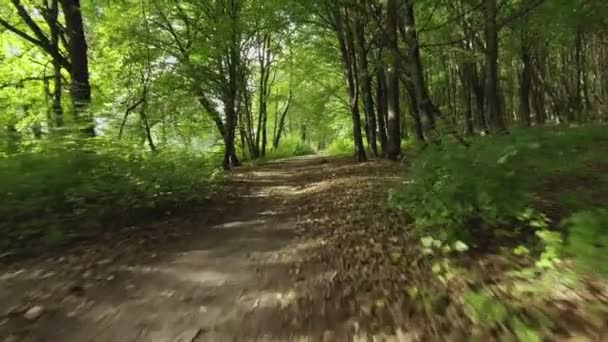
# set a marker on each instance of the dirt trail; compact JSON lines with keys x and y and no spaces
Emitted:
{"x":234,"y":271}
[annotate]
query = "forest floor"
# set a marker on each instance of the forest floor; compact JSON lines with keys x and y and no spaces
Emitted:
{"x":272,"y":257}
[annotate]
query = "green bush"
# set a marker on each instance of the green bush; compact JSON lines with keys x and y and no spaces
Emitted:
{"x":462,"y":192}
{"x":340,"y":146}
{"x":290,"y":146}
{"x":588,"y":240}
{"x":66,"y":189}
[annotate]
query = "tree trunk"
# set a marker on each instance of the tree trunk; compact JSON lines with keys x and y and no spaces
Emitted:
{"x":230,"y":158}
{"x":538,"y":91}
{"x":579,"y":62}
{"x":426,"y":108}
{"x":346,"y":43}
{"x":492,"y":94}
{"x":281,"y":123}
{"x":392,"y":76}
{"x":468,"y":74}
{"x":52,"y":21}
{"x":77,"y":50}
{"x":381,"y":106}
{"x":366,"y":87}
{"x":480,"y":99}
{"x":414,"y":111}
{"x":525,"y":85}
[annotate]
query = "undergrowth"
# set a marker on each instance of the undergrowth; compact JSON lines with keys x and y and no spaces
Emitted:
{"x":290,"y":146}
{"x":529,"y":209}
{"x":51,"y":194}
{"x":340,"y":147}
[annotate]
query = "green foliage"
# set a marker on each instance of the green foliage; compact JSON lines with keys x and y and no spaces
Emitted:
{"x":340,"y":146}
{"x":54,"y":190}
{"x":290,"y":146}
{"x":485,"y":309}
{"x":588,"y":240}
{"x":463,"y":192}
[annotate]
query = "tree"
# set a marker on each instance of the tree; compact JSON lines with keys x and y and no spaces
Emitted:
{"x":80,"y":89}
{"x":492,"y":94}
{"x":393,"y":68}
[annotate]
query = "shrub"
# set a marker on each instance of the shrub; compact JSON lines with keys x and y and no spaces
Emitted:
{"x":462,"y":191}
{"x":291,"y":146}
{"x":588,"y":240}
{"x":65,"y":189}
{"x":340,"y":146}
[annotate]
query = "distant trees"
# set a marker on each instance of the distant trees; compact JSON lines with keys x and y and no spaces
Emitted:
{"x":486,"y":65}
{"x":252,"y":75}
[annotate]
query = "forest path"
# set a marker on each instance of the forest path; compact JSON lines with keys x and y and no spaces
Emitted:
{"x":235,"y":271}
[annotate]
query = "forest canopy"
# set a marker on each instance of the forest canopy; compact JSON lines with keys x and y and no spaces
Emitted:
{"x":243,"y":75}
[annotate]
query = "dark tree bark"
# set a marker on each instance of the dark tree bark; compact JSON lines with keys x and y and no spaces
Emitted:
{"x":280,"y":126}
{"x":51,"y":17}
{"x":492,"y":94}
{"x":525,"y":85}
{"x":346,"y":43}
{"x":468,"y":74}
{"x":414,"y":111}
{"x":426,"y":108}
{"x":230,"y":104}
{"x":579,"y":64}
{"x":265,"y":63}
{"x":80,"y":89}
{"x":366,"y":86}
{"x":480,"y":99}
{"x":381,"y":105}
{"x":538,"y":93}
{"x":392,"y":75}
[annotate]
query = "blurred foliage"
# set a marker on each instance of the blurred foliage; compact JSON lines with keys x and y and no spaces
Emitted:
{"x":340,"y":146}
{"x":291,"y":146}
{"x":587,"y":240}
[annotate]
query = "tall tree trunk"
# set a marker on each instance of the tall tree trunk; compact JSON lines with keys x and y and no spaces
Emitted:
{"x":392,"y":76}
{"x":538,"y":88}
{"x":381,"y":105}
{"x":480,"y":99}
{"x":146,"y":126}
{"x":525,"y":85}
{"x":264,"y":60}
{"x":470,"y":82}
{"x":77,"y":50}
{"x":426,"y":108}
{"x":51,"y":19}
{"x":579,"y":64}
{"x":492,"y":93}
{"x":345,"y":39}
{"x":468,"y":74}
{"x":366,"y":86}
{"x":230,"y":158}
{"x":281,"y":122}
{"x":248,"y":121}
{"x":56,"y":107}
{"x":414,"y":110}
{"x":235,"y":77}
